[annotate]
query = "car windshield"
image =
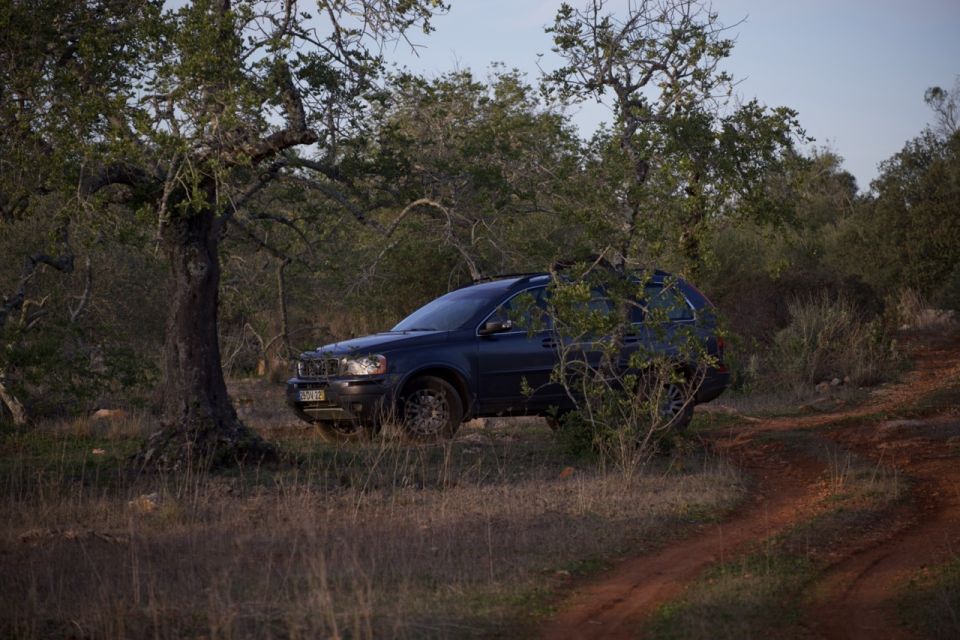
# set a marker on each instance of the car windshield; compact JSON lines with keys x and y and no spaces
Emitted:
{"x":452,"y":311}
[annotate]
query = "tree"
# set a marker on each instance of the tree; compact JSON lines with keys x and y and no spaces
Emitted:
{"x":183,"y":116}
{"x":490,"y":157}
{"x":910,"y":222}
{"x":946,"y":108}
{"x":675,"y":157}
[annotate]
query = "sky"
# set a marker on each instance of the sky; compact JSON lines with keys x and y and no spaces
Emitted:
{"x":855,"y":70}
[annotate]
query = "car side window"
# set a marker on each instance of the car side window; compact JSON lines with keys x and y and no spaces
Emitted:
{"x":527,"y":310}
{"x":662,"y":304}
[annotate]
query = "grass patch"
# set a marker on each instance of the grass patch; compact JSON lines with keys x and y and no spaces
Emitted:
{"x":738,"y":600}
{"x":469,"y":538}
{"x":930,"y":605}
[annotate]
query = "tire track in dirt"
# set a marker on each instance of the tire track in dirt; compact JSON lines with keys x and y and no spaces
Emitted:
{"x":855,"y":597}
{"x":613,"y":606}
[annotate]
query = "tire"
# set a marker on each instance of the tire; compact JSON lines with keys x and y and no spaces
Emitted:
{"x":676,"y":408}
{"x":333,"y":432}
{"x":430,"y":409}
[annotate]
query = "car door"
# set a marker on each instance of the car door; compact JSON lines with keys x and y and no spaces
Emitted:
{"x":515,"y":366}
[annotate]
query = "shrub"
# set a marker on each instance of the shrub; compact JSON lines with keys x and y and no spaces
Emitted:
{"x":829,"y":338}
{"x":914,"y":312}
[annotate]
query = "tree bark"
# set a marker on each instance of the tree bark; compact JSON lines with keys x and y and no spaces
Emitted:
{"x":199,"y":426}
{"x":282,"y":302}
{"x":17,"y":412}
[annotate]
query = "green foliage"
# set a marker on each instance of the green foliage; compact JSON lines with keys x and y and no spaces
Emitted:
{"x":85,"y":337}
{"x":623,"y":362}
{"x":675,"y":161}
{"x":489,"y":157}
{"x":911,"y":222}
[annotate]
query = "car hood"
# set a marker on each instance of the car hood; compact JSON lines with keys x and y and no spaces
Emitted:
{"x":381,"y":342}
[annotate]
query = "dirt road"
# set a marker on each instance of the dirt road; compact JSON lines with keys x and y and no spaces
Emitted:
{"x":854,"y":596}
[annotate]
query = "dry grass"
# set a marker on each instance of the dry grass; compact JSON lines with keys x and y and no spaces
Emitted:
{"x":914,"y":312}
{"x":828,"y":338}
{"x":379,"y":540}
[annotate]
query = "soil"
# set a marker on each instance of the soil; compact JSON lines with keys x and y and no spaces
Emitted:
{"x":856,"y":596}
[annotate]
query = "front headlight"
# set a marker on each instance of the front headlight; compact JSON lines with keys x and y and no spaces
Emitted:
{"x":364,"y":365}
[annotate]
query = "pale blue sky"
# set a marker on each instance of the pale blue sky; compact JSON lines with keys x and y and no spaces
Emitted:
{"x":856,"y":70}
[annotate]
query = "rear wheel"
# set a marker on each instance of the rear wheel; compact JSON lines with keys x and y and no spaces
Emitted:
{"x":430,"y":408}
{"x":676,"y":408}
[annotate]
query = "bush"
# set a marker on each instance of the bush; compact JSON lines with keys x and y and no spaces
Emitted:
{"x":914,"y":312}
{"x":829,"y":338}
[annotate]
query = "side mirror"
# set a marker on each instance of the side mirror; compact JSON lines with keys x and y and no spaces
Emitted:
{"x":495,"y":326}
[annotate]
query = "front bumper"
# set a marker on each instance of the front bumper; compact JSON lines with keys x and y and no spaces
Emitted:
{"x":361,"y":399}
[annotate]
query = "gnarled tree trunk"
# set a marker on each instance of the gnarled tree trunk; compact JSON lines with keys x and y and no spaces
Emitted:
{"x":199,"y":426}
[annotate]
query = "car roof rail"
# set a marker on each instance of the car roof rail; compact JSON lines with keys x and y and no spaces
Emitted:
{"x":600,"y":261}
{"x":501,"y":276}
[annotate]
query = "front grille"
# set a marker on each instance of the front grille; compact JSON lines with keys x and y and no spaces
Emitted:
{"x":318,"y":367}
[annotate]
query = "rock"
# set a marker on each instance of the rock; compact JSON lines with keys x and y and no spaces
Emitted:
{"x":109,"y":414}
{"x":835,"y":382}
{"x":474,"y":438}
{"x":98,"y":452}
{"x":147,"y":503}
{"x":823,"y":387}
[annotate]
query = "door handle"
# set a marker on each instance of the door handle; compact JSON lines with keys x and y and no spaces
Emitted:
{"x":549,"y":343}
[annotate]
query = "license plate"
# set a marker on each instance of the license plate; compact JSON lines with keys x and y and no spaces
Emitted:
{"x":312,"y":395}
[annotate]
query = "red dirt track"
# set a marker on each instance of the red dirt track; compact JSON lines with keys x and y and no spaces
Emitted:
{"x":854,"y":598}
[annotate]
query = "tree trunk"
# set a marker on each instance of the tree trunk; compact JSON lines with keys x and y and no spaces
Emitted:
{"x":199,"y":427}
{"x":17,"y":412}
{"x":282,"y":301}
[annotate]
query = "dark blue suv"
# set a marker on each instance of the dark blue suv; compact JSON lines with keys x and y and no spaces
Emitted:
{"x":462,"y":356}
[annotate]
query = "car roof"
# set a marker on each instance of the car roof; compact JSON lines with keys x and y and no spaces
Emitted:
{"x":509,"y":283}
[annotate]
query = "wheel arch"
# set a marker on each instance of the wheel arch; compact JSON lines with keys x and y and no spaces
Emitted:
{"x":457,"y":379}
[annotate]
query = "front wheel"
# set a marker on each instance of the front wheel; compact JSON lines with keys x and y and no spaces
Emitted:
{"x":344,"y":431}
{"x":430,"y":408}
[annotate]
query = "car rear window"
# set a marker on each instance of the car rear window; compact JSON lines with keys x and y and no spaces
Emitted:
{"x":662,"y":304}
